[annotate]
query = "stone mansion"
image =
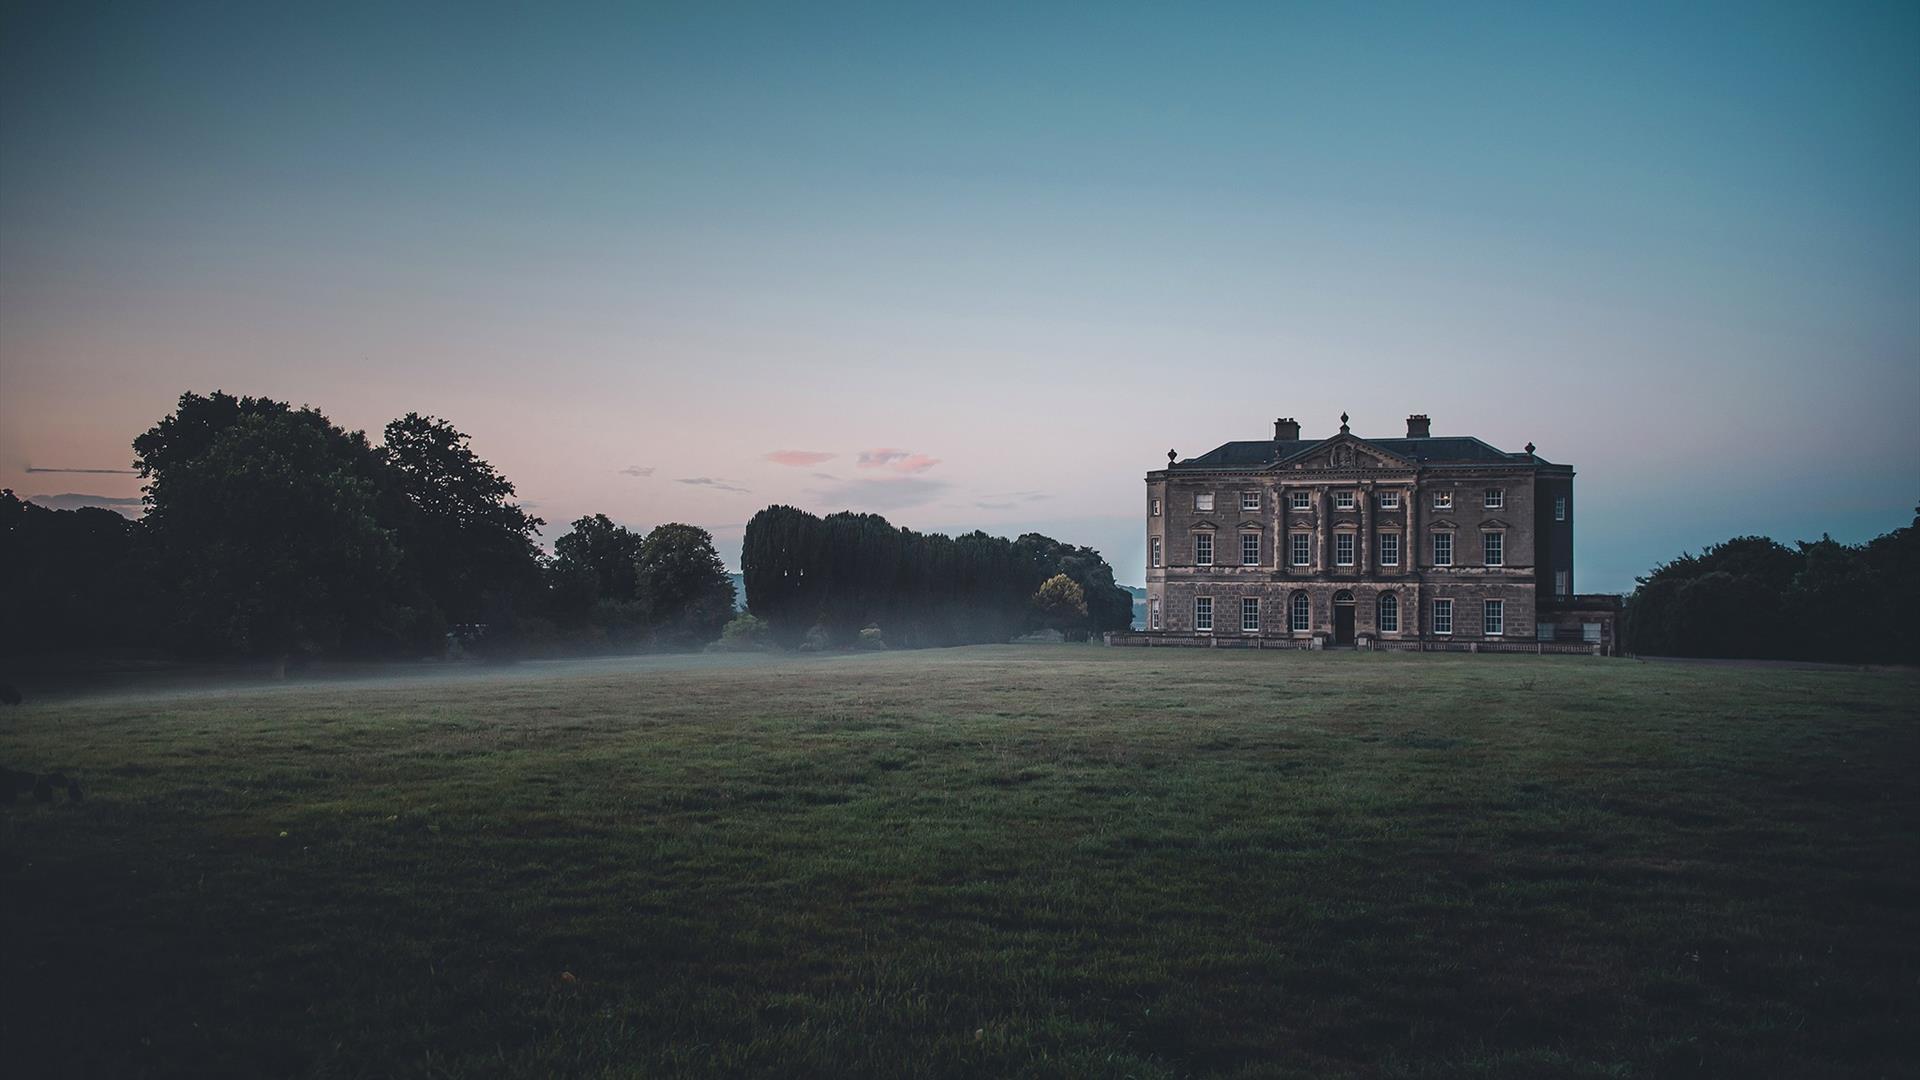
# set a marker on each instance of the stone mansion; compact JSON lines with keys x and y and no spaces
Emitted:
{"x":1422,"y":542}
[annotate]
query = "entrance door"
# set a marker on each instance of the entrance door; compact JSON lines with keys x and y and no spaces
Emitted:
{"x":1343,"y":619}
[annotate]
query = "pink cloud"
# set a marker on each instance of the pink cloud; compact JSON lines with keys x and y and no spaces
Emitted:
{"x":903,"y":461}
{"x":799,"y":457}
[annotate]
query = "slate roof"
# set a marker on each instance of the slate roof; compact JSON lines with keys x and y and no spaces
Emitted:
{"x":1438,"y":450}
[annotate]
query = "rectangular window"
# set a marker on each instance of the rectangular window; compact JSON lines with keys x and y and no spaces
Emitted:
{"x":1443,"y":500}
{"x":1389,"y":549}
{"x":1302,"y":548}
{"x":1493,"y":617}
{"x":1590,"y":633}
{"x":1249,"y":549}
{"x":1443,"y":616}
{"x":1559,"y":508}
{"x":1153,"y":551}
{"x":1389,"y":500}
{"x":1443,"y":549}
{"x":1343,"y":500}
{"x":1343,"y":549}
{"x":1203,"y":549}
{"x":1203,"y":613}
{"x":1493,"y":545}
{"x":1249,"y":500}
{"x":1203,"y":502}
{"x":1154,"y":507}
{"x":1250,"y":615}
{"x":1302,"y":500}
{"x":1562,"y":583}
{"x":1153,"y":616}
{"x":1543,"y":631}
{"x":1495,"y":499}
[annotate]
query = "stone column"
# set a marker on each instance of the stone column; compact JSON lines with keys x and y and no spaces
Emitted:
{"x":1323,"y":558}
{"x":1363,"y":559}
{"x":1410,"y":539}
{"x":1279,"y":523}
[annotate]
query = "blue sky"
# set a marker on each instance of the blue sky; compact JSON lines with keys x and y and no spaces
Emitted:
{"x":658,"y":260}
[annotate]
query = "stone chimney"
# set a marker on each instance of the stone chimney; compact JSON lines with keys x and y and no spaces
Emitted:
{"x":1286,"y":430}
{"x":1419,"y":427}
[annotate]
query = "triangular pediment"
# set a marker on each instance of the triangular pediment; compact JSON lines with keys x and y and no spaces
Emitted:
{"x":1205,"y":525}
{"x":1494,"y":523}
{"x":1442,"y":524}
{"x":1344,"y":452}
{"x":1251,"y":525}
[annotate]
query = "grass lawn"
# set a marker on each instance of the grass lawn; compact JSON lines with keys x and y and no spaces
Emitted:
{"x":997,"y":861}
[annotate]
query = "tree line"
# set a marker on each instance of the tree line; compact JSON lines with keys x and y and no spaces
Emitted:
{"x":832,"y":577}
{"x":1753,"y":597}
{"x":271,"y":532}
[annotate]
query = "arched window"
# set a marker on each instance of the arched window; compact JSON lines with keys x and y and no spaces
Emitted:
{"x":1301,"y":616}
{"x":1389,"y":613}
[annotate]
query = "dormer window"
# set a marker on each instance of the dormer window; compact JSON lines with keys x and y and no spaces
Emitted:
{"x":1343,"y":500}
{"x":1203,"y":502}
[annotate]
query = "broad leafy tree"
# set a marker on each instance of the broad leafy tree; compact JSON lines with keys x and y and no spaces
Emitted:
{"x":683,"y":587}
{"x":265,"y":521}
{"x":461,"y":536}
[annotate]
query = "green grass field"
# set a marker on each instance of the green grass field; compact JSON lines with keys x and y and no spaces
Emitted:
{"x":1046,"y":861}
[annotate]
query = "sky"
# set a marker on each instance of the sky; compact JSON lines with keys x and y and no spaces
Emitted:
{"x":981,"y":266}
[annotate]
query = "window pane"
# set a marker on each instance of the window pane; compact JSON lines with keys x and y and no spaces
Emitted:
{"x":1443,"y":549}
{"x":1249,"y":500}
{"x":1302,"y":549}
{"x":1250,"y":549}
{"x":1203,"y":548}
{"x":1302,"y":612}
{"x":1494,"y":617}
{"x":1491,"y":542}
{"x":1203,"y":502}
{"x":1389,"y":614}
{"x":1249,"y":614}
{"x":1443,"y":616}
{"x":1203,"y":613}
{"x":1390,"y":549}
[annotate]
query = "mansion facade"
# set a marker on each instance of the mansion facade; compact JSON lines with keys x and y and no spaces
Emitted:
{"x":1420,"y":542}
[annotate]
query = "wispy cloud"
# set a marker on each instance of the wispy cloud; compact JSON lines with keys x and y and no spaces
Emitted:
{"x":717,"y":485}
{"x":93,"y":472}
{"x":896,"y":460}
{"x":637,"y":470}
{"x":825,"y":476}
{"x":799,"y":458}
{"x":881,"y":493}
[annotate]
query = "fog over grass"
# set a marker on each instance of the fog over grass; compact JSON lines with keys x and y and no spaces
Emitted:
{"x":994,"y":861}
